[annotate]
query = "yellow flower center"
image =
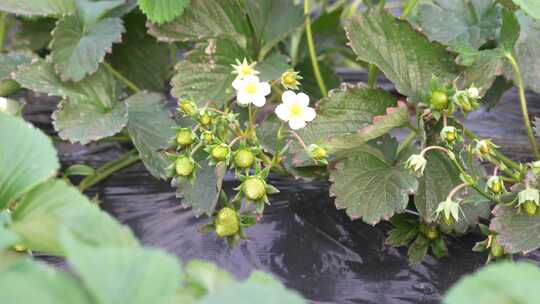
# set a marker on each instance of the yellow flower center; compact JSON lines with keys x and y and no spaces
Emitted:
{"x":251,"y":88}
{"x":296,"y":110}
{"x":246,"y":70}
{"x":289,"y":80}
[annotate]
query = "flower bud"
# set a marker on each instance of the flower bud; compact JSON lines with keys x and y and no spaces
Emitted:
{"x":495,"y":185}
{"x":495,"y":249}
{"x":449,"y":210}
{"x":220,"y":152}
{"x":184,"y":166}
{"x":226,"y":222}
{"x":289,"y":80}
{"x":416,"y":163}
{"x":317,"y":152}
{"x":185,"y":137}
{"x":473,"y":92}
{"x":254,"y":188}
{"x":438,"y":101}
{"x":449,"y":135}
{"x":244,"y":158}
{"x":187,"y":107}
{"x":535,"y":166}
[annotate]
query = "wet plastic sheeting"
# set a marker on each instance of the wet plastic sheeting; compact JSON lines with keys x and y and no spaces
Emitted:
{"x":302,"y":239}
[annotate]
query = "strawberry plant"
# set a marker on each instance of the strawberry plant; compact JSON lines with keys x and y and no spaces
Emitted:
{"x":256,"y":93}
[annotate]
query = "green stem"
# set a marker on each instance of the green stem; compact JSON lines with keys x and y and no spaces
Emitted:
{"x":408,"y":9}
{"x":523,"y":103}
{"x":121,"y":77}
{"x":372,"y":75}
{"x":474,"y":185}
{"x":3,"y":29}
{"x":312,"y":51}
{"x":109,"y":168}
{"x":276,"y":157}
{"x":407,"y":141}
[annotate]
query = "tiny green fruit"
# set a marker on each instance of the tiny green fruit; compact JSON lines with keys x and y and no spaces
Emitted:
{"x":495,"y":249}
{"x":207,"y":137}
{"x":317,"y":152}
{"x":530,"y":207}
{"x":205,"y":118}
{"x":184,"y":137}
{"x":439,"y":100}
{"x":254,"y":188}
{"x":431,"y":232}
{"x":188,"y":107}
{"x":448,"y":220}
{"x":184,"y":166}
{"x":220,"y":152}
{"x":227,"y":223}
{"x":244,"y":158}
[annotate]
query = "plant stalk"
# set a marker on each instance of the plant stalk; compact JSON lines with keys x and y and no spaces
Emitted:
{"x":3,"y":30}
{"x":523,"y":103}
{"x":372,"y":75}
{"x":110,"y":168}
{"x":312,"y":51}
{"x":121,"y":77}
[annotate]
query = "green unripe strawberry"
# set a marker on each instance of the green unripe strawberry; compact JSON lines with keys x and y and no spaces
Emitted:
{"x":317,"y":152}
{"x":448,"y":220}
{"x":530,"y":207}
{"x":439,"y":101}
{"x":254,"y":188}
{"x":226,"y":222}
{"x":431,"y":232}
{"x":244,"y":158}
{"x":188,"y":107}
{"x":184,"y":137}
{"x":495,"y":249}
{"x":220,"y":152}
{"x":205,"y":118}
{"x":207,"y":137}
{"x":184,"y":166}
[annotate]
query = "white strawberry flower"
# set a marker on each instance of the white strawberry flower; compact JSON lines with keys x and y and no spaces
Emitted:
{"x":3,"y":104}
{"x":250,"y":90}
{"x":244,"y":69}
{"x":295,"y":110}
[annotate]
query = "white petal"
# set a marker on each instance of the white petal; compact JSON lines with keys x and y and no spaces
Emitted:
{"x":264,"y":88}
{"x":288,"y":97}
{"x":251,"y":78}
{"x":303,"y":99}
{"x":308,"y":114}
{"x":296,"y":124}
{"x":238,"y":84}
{"x":282,"y":112}
{"x":258,"y":100}
{"x":243,"y":98}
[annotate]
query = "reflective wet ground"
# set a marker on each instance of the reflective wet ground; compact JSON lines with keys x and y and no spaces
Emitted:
{"x":302,"y":239}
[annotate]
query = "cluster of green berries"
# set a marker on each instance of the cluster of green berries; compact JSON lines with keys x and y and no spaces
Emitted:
{"x":217,"y":137}
{"x":446,"y":99}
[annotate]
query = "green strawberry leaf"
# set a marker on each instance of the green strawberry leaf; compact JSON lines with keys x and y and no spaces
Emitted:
{"x":205,"y":19}
{"x":7,"y":238}
{"x":206,"y":275}
{"x":27,"y":158}
{"x":140,"y":57}
{"x":346,"y":110}
{"x":205,"y":75}
{"x":531,"y":7}
{"x":151,"y":128}
{"x":32,"y":34}
{"x":160,"y":11}
{"x":203,"y":193}
{"x":418,"y":250}
{"x":470,"y":22}
{"x":90,"y":110}
{"x":78,"y":49}
{"x":505,"y":282}
{"x":273,"y":20}
{"x":47,"y":284}
{"x":39,"y":7}
{"x":272,"y":67}
{"x":114,"y":275}
{"x":405,"y":56}
{"x":10,"y":62}
{"x":371,"y":188}
{"x":527,"y":52}
{"x":44,"y":212}
{"x":516,"y":232}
